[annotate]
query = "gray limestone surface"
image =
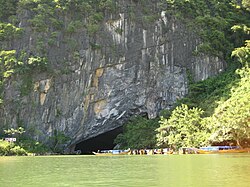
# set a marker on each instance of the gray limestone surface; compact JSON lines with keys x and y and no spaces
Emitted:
{"x":99,"y":82}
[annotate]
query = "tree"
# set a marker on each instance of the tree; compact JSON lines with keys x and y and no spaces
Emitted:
{"x":243,"y":53}
{"x":58,"y":140}
{"x":246,"y":4}
{"x":13,"y":131}
{"x":7,"y":8}
{"x":231,"y":119}
{"x":139,"y":133}
{"x":184,"y":128}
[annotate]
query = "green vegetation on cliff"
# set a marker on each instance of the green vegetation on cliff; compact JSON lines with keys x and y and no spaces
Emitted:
{"x":216,"y":110}
{"x":220,"y":24}
{"x":24,"y":144}
{"x":48,"y":20}
{"x":228,"y":110}
{"x":226,"y":119}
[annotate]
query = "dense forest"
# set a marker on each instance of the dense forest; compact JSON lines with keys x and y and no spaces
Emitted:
{"x":216,"y":110}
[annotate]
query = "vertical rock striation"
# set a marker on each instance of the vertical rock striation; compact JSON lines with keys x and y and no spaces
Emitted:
{"x":99,"y":81}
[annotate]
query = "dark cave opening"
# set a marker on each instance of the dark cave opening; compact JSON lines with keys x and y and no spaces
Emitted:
{"x":104,"y":141}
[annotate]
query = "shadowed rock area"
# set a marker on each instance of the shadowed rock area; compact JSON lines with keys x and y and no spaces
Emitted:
{"x":104,"y":141}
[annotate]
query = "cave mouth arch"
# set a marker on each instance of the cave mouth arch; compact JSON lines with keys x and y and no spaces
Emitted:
{"x":103,"y":141}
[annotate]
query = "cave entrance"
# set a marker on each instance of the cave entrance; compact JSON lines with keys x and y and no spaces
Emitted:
{"x":103,"y":141}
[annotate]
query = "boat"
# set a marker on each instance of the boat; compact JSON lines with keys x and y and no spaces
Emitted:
{"x":188,"y":150}
{"x":111,"y":152}
{"x":222,"y":149}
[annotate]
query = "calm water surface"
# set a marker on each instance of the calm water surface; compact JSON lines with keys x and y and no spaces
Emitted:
{"x":157,"y":170}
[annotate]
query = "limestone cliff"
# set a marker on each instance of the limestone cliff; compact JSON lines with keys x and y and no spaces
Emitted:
{"x":97,"y":81}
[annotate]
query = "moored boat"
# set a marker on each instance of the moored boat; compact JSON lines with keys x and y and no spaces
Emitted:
{"x":222,"y":149}
{"x":111,"y":152}
{"x":188,"y":150}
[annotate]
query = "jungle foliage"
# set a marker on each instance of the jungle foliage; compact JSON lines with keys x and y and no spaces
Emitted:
{"x":213,"y":20}
{"x":227,"y":120}
{"x":139,"y":133}
{"x":184,"y":128}
{"x":10,"y":149}
{"x":225,"y":98}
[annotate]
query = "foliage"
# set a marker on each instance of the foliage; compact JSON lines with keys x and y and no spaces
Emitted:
{"x":12,"y":63}
{"x":32,"y":146}
{"x":231,"y":119}
{"x":10,"y":149}
{"x":226,"y":99}
{"x":213,"y":21}
{"x":29,"y":144}
{"x":221,"y":25}
{"x":57,"y":141}
{"x":165,"y":113}
{"x":13,"y":131}
{"x":8,"y":62}
{"x":243,"y":54}
{"x":9,"y":31}
{"x":17,"y":150}
{"x":93,"y":28}
{"x":44,"y":15}
{"x":149,"y":19}
{"x":206,"y":94}
{"x":23,"y":145}
{"x":240,"y":33}
{"x":73,"y":26}
{"x":7,"y":9}
{"x":26,"y":85}
{"x":95,"y":46}
{"x":46,"y":12}
{"x":246,"y":4}
{"x":138,"y":133}
{"x":85,"y":7}
{"x":184,"y":128}
{"x":119,"y":30}
{"x":37,"y":62}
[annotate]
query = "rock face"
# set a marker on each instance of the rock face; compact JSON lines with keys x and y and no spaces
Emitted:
{"x":100,"y":81}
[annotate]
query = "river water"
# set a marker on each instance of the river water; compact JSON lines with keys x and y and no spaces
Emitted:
{"x":129,"y":171}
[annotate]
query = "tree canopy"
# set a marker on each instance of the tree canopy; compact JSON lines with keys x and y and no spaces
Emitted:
{"x":139,"y":133}
{"x":184,"y":128}
{"x":231,"y":119}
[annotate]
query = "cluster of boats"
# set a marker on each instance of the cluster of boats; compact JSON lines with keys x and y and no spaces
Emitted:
{"x":202,"y":150}
{"x":222,"y":149}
